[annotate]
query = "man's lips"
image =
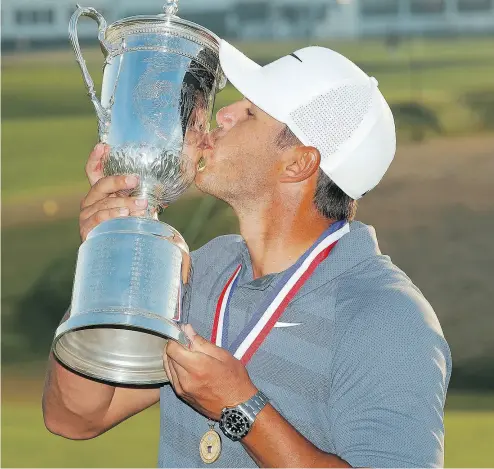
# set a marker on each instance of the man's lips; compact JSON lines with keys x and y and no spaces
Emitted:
{"x":207,"y":147}
{"x":215,"y":135}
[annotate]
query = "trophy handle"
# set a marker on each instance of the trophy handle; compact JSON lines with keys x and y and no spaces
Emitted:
{"x":101,"y":112}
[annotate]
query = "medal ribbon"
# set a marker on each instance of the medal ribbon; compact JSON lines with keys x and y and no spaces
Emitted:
{"x":221,"y":307}
{"x":272,"y":307}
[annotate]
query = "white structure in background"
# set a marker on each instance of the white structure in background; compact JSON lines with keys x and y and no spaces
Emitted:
{"x":435,"y":17}
{"x":38,"y":21}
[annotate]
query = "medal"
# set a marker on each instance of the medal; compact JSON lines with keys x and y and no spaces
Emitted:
{"x":272,"y":307}
{"x":210,"y":446}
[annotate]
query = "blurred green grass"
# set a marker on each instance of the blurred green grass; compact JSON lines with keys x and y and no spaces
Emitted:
{"x":45,"y":242}
{"x":33,"y":252}
{"x":26,"y":443}
{"x":45,"y":155}
{"x":49,"y":125}
{"x":375,"y":50}
{"x":49,"y":128}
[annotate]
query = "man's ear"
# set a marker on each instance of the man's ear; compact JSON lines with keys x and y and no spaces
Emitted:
{"x":300,"y":164}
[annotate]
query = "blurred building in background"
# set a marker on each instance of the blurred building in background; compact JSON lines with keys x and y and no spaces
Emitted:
{"x":27,"y":23}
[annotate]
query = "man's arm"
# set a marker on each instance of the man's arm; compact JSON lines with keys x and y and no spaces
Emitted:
{"x":209,"y":378}
{"x":388,"y":386}
{"x":389,"y":379}
{"x":79,"y":408}
{"x":273,"y":442}
{"x":73,"y":406}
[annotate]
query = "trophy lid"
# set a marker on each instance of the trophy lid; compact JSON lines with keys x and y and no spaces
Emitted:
{"x":166,"y":23}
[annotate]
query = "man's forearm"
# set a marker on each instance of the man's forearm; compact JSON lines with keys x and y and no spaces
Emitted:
{"x":74,"y":406}
{"x":273,"y":442}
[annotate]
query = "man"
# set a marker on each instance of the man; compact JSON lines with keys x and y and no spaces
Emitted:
{"x":322,"y":352}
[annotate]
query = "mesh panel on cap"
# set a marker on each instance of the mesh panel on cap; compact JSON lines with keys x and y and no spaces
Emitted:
{"x":330,"y":119}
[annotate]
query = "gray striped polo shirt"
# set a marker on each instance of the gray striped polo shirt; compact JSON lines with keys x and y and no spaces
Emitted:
{"x":362,"y":372}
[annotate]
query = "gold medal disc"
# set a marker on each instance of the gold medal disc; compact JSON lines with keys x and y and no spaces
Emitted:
{"x":210,"y":447}
{"x":201,"y":165}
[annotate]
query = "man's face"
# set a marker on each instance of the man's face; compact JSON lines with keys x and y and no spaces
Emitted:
{"x":195,"y":132}
{"x":240,"y":158}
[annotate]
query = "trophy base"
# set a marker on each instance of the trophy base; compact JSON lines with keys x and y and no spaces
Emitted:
{"x":118,"y":348}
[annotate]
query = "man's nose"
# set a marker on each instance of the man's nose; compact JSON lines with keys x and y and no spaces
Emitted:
{"x":225,"y":117}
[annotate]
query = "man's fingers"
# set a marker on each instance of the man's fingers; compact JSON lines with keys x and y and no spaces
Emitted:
{"x":189,"y":331}
{"x":139,"y":213}
{"x":166,"y":364}
{"x":100,"y":217}
{"x":134,"y":205}
{"x":107,"y":186}
{"x":179,"y":371}
{"x":186,"y":359}
{"x":175,"y":350}
{"x":175,"y":380}
{"x":181,"y":376}
{"x":171,"y":372}
{"x":94,"y":165}
{"x":200,"y":344}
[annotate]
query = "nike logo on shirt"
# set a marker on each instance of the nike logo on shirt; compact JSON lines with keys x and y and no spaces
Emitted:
{"x":287,"y":324}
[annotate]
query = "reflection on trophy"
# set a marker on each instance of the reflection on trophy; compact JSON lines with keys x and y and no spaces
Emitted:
{"x":161,"y":75}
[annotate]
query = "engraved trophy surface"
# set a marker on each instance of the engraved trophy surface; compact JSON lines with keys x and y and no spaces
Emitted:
{"x":161,"y":75}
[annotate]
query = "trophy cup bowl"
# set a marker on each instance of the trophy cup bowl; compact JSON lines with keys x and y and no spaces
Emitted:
{"x":161,"y":75}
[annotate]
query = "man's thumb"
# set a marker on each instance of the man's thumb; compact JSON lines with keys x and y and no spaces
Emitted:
{"x":94,"y":165}
{"x":198,"y":343}
{"x":195,"y":339}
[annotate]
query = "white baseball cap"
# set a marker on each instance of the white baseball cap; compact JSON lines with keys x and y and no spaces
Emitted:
{"x":328,"y":103}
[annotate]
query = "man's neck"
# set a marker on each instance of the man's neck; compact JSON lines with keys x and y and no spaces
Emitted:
{"x":276,"y":234}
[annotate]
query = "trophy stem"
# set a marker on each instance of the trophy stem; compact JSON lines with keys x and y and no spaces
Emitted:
{"x":152,"y":214}
{"x":148,"y":192}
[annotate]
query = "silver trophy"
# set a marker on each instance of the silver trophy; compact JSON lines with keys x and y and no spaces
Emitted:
{"x":161,"y":75}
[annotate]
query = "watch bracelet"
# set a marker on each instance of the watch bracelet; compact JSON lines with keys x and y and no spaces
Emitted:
{"x":254,"y":405}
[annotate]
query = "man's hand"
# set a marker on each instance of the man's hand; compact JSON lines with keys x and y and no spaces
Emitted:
{"x":208,"y":377}
{"x":101,"y":203}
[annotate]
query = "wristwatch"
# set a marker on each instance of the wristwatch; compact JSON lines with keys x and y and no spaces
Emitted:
{"x":236,"y":422}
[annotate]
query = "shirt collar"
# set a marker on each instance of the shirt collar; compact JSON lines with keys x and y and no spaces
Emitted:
{"x":355,"y":247}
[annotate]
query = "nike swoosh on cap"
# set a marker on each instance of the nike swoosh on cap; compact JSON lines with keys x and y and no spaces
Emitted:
{"x":297,"y":57}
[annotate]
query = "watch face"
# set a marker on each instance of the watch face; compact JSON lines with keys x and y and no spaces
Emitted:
{"x":235,"y":424}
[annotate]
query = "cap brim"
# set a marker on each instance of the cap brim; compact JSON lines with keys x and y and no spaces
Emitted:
{"x":235,"y":63}
{"x":245,"y":75}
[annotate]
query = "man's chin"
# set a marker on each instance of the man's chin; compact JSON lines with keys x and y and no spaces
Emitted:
{"x":210,"y":183}
{"x":201,"y":182}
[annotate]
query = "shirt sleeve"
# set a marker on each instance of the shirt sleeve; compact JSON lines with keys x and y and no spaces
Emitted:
{"x":388,"y":383}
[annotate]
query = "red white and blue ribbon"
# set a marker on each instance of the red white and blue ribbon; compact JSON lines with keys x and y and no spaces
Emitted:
{"x":272,"y":307}
{"x":220,"y":339}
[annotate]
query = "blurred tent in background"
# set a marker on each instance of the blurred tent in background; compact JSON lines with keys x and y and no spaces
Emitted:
{"x":30,"y":23}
